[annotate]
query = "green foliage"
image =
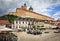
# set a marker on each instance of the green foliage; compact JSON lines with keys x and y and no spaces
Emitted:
{"x":38,"y":26}
{"x":33,"y":26}
{"x":10,"y":18}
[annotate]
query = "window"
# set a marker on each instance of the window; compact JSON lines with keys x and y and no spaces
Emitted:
{"x":23,"y":22}
{"x":16,"y":21}
{"x":27,"y":19}
{"x":46,"y":22}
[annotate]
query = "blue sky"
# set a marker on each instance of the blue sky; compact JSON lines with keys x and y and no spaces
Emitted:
{"x":46,"y":7}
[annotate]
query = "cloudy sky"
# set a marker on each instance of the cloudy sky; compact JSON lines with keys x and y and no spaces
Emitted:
{"x":47,"y":7}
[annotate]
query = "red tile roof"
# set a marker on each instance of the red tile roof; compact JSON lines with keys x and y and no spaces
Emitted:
{"x":58,"y":24}
{"x":4,"y":22}
{"x":57,"y":20}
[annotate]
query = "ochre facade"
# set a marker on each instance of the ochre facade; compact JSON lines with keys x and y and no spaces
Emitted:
{"x":23,"y":12}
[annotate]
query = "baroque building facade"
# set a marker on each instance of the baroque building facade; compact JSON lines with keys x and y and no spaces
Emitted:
{"x":28,"y":18}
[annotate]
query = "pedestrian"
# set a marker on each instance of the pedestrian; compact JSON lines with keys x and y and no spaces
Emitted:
{"x":1,"y":39}
{"x":10,"y":37}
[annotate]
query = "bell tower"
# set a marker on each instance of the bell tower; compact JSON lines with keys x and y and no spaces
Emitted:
{"x":24,"y":6}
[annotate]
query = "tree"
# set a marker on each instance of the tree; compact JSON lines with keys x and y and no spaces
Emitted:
{"x":8,"y":17}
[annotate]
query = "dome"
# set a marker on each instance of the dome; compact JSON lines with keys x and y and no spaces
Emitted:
{"x":30,"y":8}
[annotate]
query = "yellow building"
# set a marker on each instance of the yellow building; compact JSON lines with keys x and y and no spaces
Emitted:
{"x":23,"y":12}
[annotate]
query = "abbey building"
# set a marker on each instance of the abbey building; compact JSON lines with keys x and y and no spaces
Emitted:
{"x":28,"y":18}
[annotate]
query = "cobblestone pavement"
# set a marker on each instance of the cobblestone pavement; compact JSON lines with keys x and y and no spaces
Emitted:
{"x":23,"y":36}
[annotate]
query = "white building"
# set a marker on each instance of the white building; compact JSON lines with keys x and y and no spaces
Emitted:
{"x":23,"y":23}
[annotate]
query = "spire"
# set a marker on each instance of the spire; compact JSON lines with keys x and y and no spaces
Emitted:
{"x":30,"y":9}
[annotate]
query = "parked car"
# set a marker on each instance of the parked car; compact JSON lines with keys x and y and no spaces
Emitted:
{"x":57,"y":31}
{"x":35,"y":32}
{"x":46,"y":32}
{"x":8,"y":37}
{"x":56,"y":27}
{"x":42,"y":28}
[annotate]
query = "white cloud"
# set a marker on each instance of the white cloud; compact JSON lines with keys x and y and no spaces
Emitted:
{"x":56,"y":15}
{"x":46,"y":14}
{"x":8,"y":0}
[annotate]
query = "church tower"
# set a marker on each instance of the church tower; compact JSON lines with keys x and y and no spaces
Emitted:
{"x":24,"y":6}
{"x":30,"y":9}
